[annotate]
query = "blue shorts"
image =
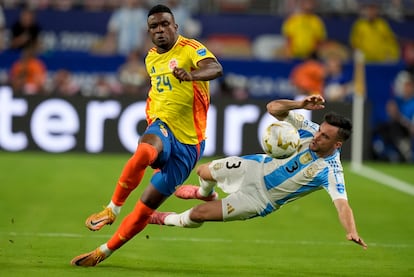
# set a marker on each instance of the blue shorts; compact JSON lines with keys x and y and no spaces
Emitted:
{"x":176,"y":161}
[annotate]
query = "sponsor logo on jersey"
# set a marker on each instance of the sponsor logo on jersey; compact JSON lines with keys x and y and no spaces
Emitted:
{"x":202,"y":52}
{"x":230,"y":208}
{"x":340,"y":188}
{"x":152,"y":69}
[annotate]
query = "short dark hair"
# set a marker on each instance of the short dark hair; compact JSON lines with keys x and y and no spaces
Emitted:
{"x":159,"y":9}
{"x":343,"y":123}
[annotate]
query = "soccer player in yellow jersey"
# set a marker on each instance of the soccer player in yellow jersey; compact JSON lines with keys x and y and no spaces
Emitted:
{"x":173,"y":142}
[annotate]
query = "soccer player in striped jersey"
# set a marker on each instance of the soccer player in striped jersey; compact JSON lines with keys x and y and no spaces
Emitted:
{"x":258,"y":185}
{"x":180,"y":70}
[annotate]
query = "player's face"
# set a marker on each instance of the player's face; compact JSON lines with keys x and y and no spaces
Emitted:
{"x":163,"y":31}
{"x":325,"y":141}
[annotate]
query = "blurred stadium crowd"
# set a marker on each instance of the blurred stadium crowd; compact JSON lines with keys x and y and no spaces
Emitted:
{"x":396,"y":9}
{"x":123,"y":32}
{"x":297,"y":36}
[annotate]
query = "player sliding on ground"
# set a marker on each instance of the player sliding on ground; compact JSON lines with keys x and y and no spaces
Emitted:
{"x":259,"y":185}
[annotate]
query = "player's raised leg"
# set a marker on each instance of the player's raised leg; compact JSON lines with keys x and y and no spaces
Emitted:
{"x":130,"y":178}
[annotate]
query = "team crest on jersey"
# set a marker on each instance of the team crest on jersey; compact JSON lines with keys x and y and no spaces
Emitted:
{"x":163,"y":130}
{"x":305,"y":158}
{"x":172,"y":64}
{"x":310,"y":171}
{"x":230,"y":208}
{"x":202,"y":52}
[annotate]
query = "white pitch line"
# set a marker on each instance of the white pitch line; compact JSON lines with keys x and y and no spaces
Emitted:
{"x":207,"y":240}
{"x":384,"y":179}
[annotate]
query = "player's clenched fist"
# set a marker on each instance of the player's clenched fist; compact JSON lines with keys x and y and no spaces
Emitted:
{"x":182,"y":75}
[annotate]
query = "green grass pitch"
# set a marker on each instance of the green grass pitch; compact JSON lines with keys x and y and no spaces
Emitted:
{"x":45,"y":198}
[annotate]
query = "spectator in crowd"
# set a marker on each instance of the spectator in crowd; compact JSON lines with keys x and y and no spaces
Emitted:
{"x":25,"y":31}
{"x":373,"y":36}
{"x":408,"y":55}
{"x":394,"y":9}
{"x":2,"y":28}
{"x":337,"y":82}
{"x":324,"y":75}
{"x":304,"y":30}
{"x":133,"y":76}
{"x":187,"y":25}
{"x":94,"y":5}
{"x":104,"y":86}
{"x":394,"y":139}
{"x":63,"y":5}
{"x":308,"y":76}
{"x":28,"y":74}
{"x":39,"y":4}
{"x":63,"y":84}
{"x":127,"y":26}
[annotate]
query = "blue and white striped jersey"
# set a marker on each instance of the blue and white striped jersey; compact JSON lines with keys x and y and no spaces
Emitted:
{"x":304,"y":172}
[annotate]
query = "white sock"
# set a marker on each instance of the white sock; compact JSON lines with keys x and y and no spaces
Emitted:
{"x":206,"y":187}
{"x":115,"y":209}
{"x":104,"y":248}
{"x":181,"y":220}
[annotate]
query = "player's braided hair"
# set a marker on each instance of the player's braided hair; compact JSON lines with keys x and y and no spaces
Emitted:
{"x":343,"y":123}
{"x":159,"y":9}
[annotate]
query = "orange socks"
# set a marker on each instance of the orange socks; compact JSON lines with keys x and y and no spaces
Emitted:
{"x":133,"y":172}
{"x":131,"y":225}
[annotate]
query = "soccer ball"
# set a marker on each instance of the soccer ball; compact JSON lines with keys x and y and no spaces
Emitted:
{"x":280,"y":140}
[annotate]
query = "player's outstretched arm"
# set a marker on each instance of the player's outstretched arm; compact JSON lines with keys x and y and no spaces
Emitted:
{"x":209,"y":69}
{"x":347,"y":220}
{"x":280,"y":108}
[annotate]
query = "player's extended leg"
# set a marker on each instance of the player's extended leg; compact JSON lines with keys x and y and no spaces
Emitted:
{"x":203,"y":192}
{"x":130,"y":177}
{"x":192,"y":218}
{"x":132,"y":224}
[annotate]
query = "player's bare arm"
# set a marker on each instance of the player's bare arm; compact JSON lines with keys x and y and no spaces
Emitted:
{"x":347,"y":220}
{"x":280,"y":108}
{"x":209,"y":69}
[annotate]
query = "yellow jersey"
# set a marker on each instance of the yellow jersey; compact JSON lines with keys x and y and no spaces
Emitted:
{"x":304,"y":32}
{"x":183,"y":105}
{"x":375,"y":39}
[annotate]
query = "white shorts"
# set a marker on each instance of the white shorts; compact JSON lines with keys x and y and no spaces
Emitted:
{"x":242,"y":179}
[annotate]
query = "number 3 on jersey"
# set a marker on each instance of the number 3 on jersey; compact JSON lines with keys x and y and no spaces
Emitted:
{"x":163,"y":82}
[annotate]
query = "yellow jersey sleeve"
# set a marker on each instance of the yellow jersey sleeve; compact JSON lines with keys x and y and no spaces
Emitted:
{"x":182,"y":106}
